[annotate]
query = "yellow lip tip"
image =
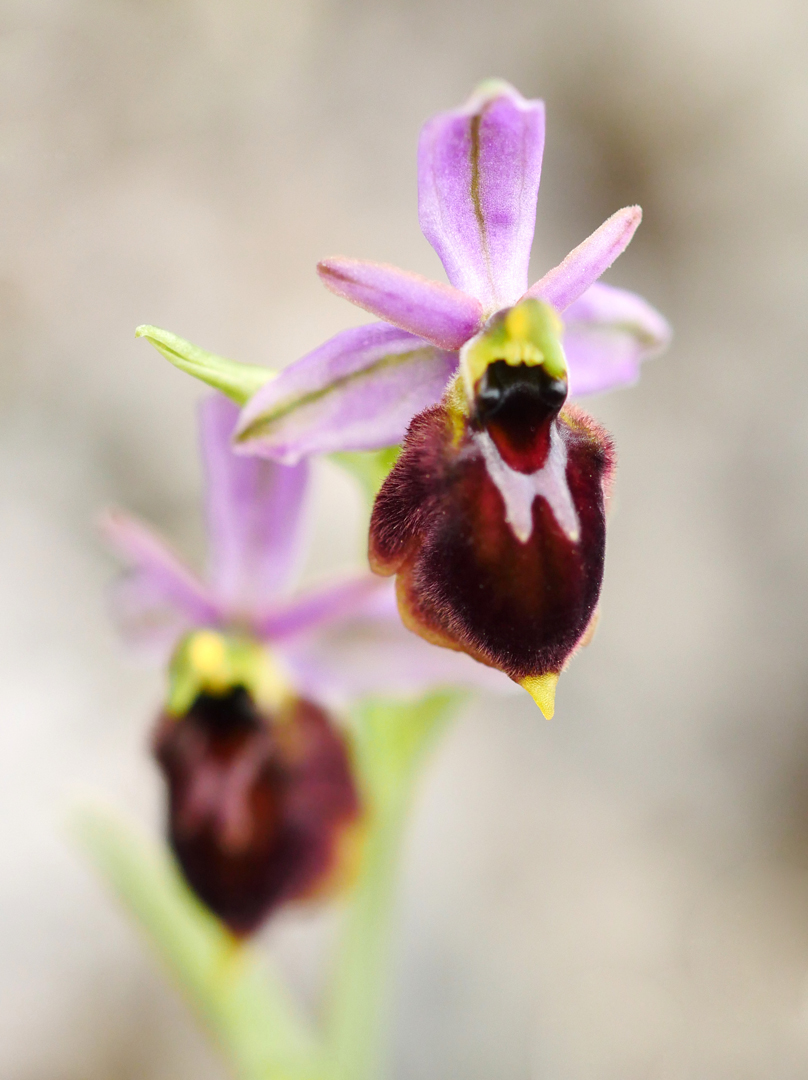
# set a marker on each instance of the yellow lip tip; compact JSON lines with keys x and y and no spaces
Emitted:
{"x":542,"y":688}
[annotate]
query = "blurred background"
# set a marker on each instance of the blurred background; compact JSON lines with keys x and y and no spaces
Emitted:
{"x":621,"y":893}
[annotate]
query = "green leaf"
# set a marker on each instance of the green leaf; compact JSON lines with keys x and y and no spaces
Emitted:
{"x":369,"y":467}
{"x":241,"y":1002}
{"x":238,"y":381}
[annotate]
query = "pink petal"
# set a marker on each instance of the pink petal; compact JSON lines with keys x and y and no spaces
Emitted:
{"x":254,"y":514}
{"x":608,"y":333}
{"x":372,"y":652}
{"x":478,"y":178}
{"x":321,"y":607}
{"x":150,"y":625}
{"x":159,"y":587}
{"x":445,"y":316}
{"x":562,"y":285}
{"x":358,"y":391}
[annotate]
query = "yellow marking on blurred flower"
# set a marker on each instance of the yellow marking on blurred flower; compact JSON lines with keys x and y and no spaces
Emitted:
{"x":542,"y":689}
{"x":207,"y":655}
{"x":269,"y":682}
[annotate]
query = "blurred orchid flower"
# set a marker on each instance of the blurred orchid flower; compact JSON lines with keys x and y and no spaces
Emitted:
{"x":262,"y":799}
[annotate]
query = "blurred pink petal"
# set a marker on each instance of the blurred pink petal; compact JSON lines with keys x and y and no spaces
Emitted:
{"x":322,"y":606}
{"x":374,"y":653}
{"x":163,"y":577}
{"x":254,"y":515}
{"x":149,"y":624}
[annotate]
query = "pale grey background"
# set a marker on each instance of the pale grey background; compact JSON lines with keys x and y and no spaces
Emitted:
{"x":622,"y":893}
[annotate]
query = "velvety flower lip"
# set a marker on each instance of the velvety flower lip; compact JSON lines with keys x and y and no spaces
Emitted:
{"x":259,"y":812}
{"x":493,"y":518}
{"x":336,"y":642}
{"x":479,"y":168}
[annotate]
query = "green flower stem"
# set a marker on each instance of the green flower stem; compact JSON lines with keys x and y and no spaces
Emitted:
{"x":240,"y":1001}
{"x":391,"y":742}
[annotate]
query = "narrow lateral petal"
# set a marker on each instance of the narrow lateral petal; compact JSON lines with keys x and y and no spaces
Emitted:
{"x":320,"y":607}
{"x":562,"y":285}
{"x":608,"y":333}
{"x":254,"y":515}
{"x":358,"y":391}
{"x":158,"y":577}
{"x":372,"y":652}
{"x":443,"y":315}
{"x":478,"y":178}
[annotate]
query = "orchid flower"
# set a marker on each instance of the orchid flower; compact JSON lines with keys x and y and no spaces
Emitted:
{"x":478,"y":179}
{"x":262,"y":799}
{"x":493,"y":517}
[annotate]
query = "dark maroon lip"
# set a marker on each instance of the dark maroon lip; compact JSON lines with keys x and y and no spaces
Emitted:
{"x":465,"y":579}
{"x":256,"y":803}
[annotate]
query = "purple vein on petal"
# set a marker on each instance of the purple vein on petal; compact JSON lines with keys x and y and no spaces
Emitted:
{"x":441,"y":314}
{"x":562,"y":285}
{"x":478,"y":179}
{"x":358,"y":391}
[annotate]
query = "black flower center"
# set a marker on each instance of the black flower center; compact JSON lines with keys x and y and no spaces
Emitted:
{"x":516,"y":405}
{"x":232,"y":713}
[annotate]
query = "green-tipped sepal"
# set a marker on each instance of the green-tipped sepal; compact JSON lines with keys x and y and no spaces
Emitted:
{"x":238,"y":381}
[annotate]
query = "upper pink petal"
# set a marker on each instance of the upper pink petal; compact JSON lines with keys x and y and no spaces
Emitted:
{"x":478,"y":179}
{"x":562,"y":285}
{"x":443,"y":315}
{"x":254,"y":514}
